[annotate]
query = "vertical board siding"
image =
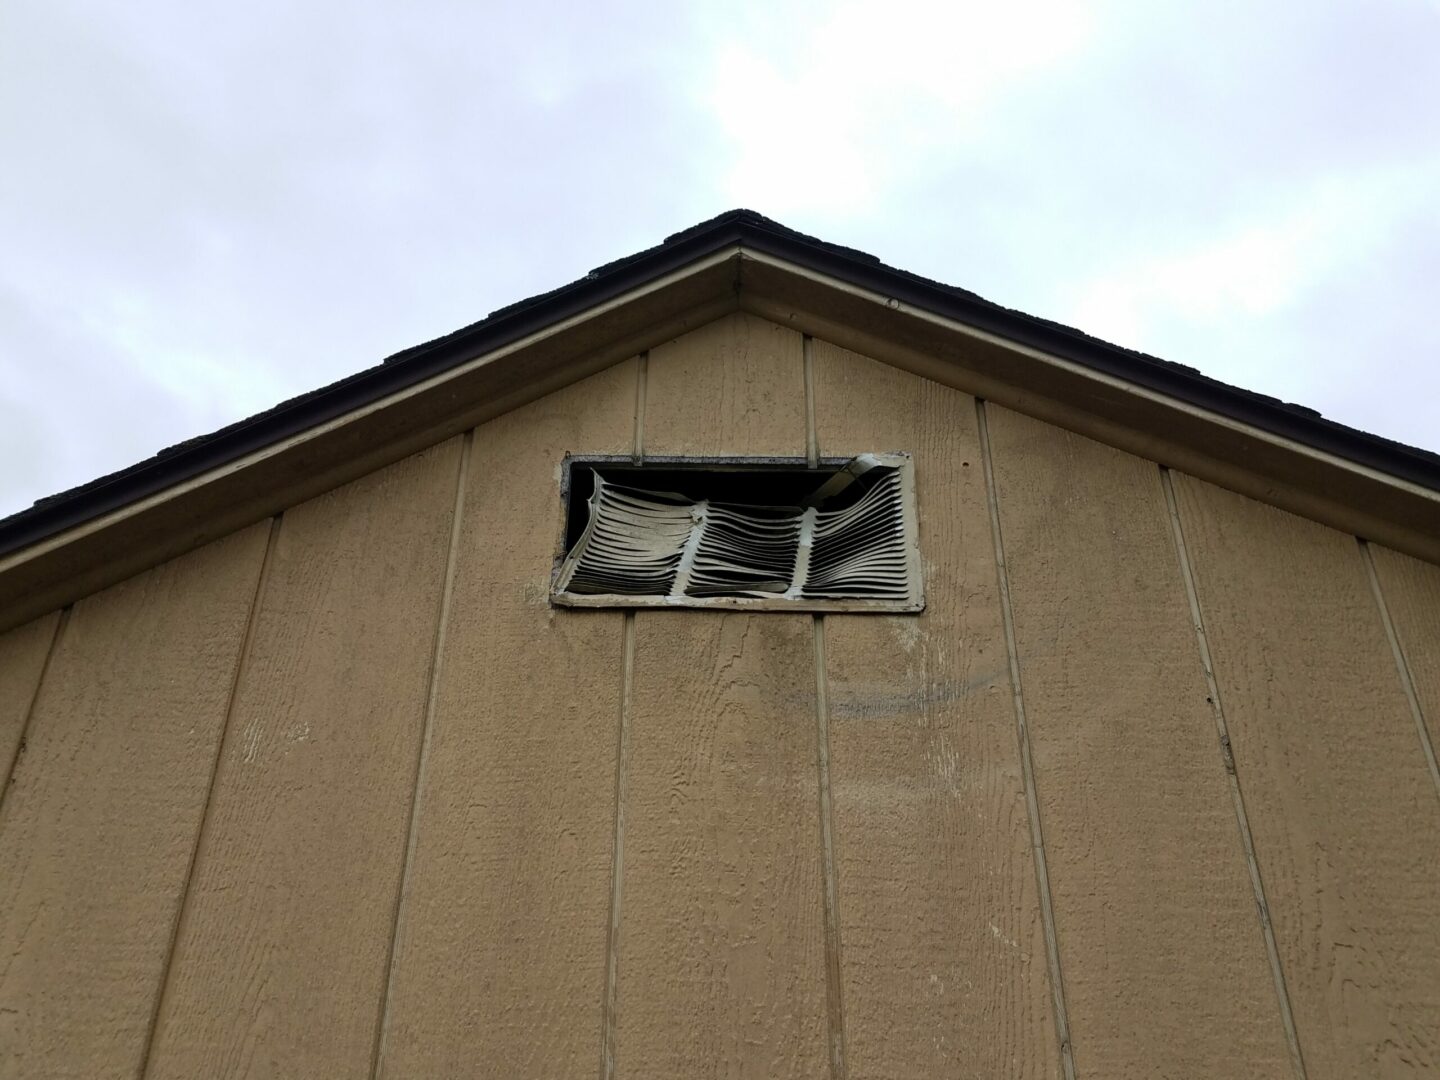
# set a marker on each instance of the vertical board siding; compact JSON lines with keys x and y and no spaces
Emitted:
{"x":500,"y":953}
{"x":1411,"y":592}
{"x":733,"y":387}
{"x":401,"y":845}
{"x":721,"y":960}
{"x":280,"y":960}
{"x":22,"y":659}
{"x":100,"y":824}
{"x":943,"y":953}
{"x":1166,"y":971}
{"x":1341,"y":802}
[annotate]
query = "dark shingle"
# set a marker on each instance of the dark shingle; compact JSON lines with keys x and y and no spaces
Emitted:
{"x":747,"y":228}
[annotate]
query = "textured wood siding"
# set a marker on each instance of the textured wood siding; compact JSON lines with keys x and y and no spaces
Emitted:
{"x":1408,"y":591}
{"x":943,"y":952}
{"x":1148,"y":790}
{"x":1153,"y":909}
{"x":1346,"y":819}
{"x":281,"y":954}
{"x":103,"y":810}
{"x":23,"y":652}
{"x":721,"y":922}
{"x":501,"y":942}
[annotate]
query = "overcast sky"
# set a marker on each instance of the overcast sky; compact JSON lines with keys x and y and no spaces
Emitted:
{"x":208,"y":208}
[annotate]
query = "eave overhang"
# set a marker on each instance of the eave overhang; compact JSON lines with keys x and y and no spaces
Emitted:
{"x":68,"y":546}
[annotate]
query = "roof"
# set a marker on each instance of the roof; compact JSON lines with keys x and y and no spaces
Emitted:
{"x":74,"y":543}
{"x":735,"y":227}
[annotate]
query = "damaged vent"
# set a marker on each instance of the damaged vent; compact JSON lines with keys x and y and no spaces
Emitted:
{"x":840,"y":537}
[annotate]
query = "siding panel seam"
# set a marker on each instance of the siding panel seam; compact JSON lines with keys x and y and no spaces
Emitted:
{"x":642,"y":371}
{"x":833,"y":984}
{"x":242,"y":656}
{"x":812,"y":438}
{"x":50,"y":650}
{"x":1032,"y":805}
{"x":1227,"y":758}
{"x":608,"y":1019}
{"x":609,"y":1023}
{"x":1402,"y":663}
{"x":422,"y":754}
{"x":834,"y":981}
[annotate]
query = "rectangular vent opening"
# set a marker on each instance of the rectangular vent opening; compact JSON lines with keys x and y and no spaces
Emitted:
{"x":739,"y":533}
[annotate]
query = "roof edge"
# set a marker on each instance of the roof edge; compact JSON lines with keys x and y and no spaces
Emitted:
{"x":505,"y":326}
{"x":721,"y":240}
{"x":734,"y":227}
{"x":1297,"y":422}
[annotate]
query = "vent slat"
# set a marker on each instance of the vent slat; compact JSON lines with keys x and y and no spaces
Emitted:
{"x":632,"y":544}
{"x":861,"y":550}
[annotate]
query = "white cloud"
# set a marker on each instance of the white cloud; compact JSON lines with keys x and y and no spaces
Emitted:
{"x":827,"y":108}
{"x":1263,"y":264}
{"x":202,"y":217}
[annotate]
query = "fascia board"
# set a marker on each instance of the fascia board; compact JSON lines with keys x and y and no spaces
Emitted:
{"x":1211,"y":445}
{"x":73,"y":563}
{"x":720,"y":278}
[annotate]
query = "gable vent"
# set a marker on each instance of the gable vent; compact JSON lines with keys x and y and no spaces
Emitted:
{"x":687,"y":535}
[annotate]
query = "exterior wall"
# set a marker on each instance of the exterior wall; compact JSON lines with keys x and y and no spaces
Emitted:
{"x":1147,"y":790}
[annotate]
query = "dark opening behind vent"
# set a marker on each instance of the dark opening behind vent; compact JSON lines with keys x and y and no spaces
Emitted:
{"x":741,"y":533}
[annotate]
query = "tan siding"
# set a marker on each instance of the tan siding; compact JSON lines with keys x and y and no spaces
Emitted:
{"x":1411,"y":591}
{"x":1164,"y":961}
{"x":501,"y":947}
{"x":1343,"y":809}
{"x":721,"y":964}
{"x":22,"y":658}
{"x":943,"y":951}
{"x":400,"y":852}
{"x":100,"y":824}
{"x":736,"y":386}
{"x":280,"y":962}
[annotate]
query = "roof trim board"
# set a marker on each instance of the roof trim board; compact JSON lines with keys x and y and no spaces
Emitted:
{"x":81,"y":540}
{"x":1311,"y":481}
{"x":74,"y":562}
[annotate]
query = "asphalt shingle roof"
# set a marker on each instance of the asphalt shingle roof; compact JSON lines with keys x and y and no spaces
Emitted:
{"x":184,"y":460}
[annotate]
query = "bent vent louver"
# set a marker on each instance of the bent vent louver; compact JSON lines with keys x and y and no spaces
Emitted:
{"x":849,"y":544}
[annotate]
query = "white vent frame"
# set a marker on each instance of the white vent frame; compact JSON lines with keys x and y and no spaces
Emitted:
{"x":900,"y":461}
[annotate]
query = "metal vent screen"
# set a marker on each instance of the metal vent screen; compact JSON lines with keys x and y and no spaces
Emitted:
{"x":737,"y":534}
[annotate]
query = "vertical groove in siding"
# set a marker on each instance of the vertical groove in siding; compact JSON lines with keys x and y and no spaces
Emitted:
{"x":833,"y":987}
{"x":1402,"y":664}
{"x":722,"y":862}
{"x":242,"y":655}
{"x":617,"y":864}
{"x":1037,"y":840}
{"x":423,"y":752}
{"x":812,"y":439}
{"x":1237,"y":797}
{"x":8,"y":775}
{"x":642,"y":365}
{"x":608,"y":1025}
